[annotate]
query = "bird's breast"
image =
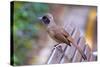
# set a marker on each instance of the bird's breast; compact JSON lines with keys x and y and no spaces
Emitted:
{"x":57,"y":35}
{"x":54,"y":33}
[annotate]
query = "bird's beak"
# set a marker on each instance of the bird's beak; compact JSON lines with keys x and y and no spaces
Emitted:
{"x":39,"y":18}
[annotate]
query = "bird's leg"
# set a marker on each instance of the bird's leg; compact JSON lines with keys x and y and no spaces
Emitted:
{"x":58,"y":46}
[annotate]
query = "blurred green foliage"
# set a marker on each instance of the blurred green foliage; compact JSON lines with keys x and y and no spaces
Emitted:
{"x":25,"y":28}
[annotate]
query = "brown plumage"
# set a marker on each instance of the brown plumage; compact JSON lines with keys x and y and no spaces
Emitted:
{"x":59,"y":34}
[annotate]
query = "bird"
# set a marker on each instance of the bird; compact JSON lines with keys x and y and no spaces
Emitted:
{"x":59,"y":34}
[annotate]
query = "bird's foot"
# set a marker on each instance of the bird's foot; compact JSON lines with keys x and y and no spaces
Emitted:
{"x":58,"y":46}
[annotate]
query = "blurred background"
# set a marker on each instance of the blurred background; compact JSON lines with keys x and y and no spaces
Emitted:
{"x":32,"y":45}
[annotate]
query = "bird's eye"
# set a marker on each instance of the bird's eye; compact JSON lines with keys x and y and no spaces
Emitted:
{"x":44,"y":17}
{"x":45,"y":20}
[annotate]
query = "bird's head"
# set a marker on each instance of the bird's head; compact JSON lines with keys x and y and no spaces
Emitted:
{"x":47,"y":18}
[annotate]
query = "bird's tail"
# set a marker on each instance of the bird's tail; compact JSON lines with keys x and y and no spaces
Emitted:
{"x":81,"y":52}
{"x":78,"y":48}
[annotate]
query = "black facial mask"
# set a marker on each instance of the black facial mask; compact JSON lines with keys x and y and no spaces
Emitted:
{"x":45,"y":20}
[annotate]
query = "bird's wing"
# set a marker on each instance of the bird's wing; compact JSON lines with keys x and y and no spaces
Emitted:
{"x":59,"y":36}
{"x":68,"y":36}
